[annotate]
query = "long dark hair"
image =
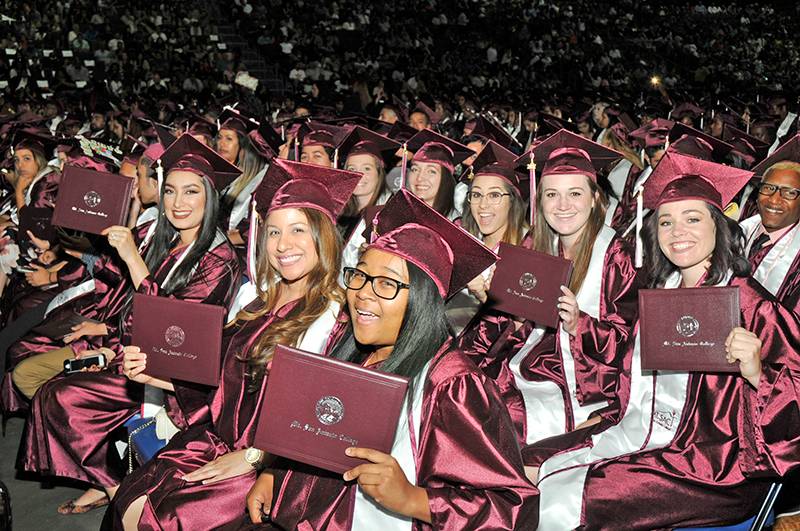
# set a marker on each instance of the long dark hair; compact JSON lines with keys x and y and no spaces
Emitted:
{"x":423,"y":332}
{"x":164,"y":239}
{"x":728,"y":252}
{"x":443,"y":203}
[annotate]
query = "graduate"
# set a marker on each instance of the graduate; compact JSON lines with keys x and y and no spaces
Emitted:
{"x":496,"y":203}
{"x":238,"y":143}
{"x":553,"y":380}
{"x":187,"y":258}
{"x":369,"y":154}
{"x":201,"y":478}
{"x":771,"y":236}
{"x":431,"y":171}
{"x":708,"y":437}
{"x":454,"y":463}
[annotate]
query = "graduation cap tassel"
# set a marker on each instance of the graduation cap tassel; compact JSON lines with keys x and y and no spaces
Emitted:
{"x":296,"y":151}
{"x":639,"y":215}
{"x":160,"y":175}
{"x":283,"y":133}
{"x":403,"y":166}
{"x":252,"y":242}
{"x":336,"y":158}
{"x":532,"y":179}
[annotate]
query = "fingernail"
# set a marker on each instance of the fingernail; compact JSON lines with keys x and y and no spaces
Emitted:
{"x":348,"y":451}
{"x":346,"y":476}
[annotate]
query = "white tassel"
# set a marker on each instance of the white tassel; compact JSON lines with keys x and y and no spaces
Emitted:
{"x":336,"y":159}
{"x":532,"y":179}
{"x":403,"y":167}
{"x":639,"y":214}
{"x":159,"y":174}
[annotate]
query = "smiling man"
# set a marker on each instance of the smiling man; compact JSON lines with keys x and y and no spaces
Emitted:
{"x":773,"y":242}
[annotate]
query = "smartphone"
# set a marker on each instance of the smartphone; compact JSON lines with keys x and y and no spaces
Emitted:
{"x":77,"y":365}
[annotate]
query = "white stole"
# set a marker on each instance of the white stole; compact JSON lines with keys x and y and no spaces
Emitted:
{"x":650,"y":421}
{"x":154,"y":396}
{"x":773,"y":269}
{"x":368,"y":515}
{"x":786,"y":124}
{"x":545,"y":410}
{"x":241,"y":201}
{"x":28,"y":197}
{"x":617,"y":178}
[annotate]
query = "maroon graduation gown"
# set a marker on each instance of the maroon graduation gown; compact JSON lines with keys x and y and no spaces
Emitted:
{"x":729,"y":437}
{"x":234,"y":410}
{"x":69,"y":430}
{"x":468,"y":462}
{"x":491,"y":341}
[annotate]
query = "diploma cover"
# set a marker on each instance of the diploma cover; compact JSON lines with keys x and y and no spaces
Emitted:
{"x":182,"y":340}
{"x":685,"y":329}
{"x":92,"y":201}
{"x":528,"y":284}
{"x":316,"y":407}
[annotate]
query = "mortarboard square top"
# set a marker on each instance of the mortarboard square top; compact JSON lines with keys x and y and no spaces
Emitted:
{"x":679,"y":177}
{"x":289,"y":184}
{"x":189,"y":154}
{"x":410,"y":229}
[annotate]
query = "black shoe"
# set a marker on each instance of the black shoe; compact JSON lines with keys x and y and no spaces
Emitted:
{"x":5,"y":508}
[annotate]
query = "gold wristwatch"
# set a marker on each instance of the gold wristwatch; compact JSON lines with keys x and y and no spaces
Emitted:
{"x":253,"y":457}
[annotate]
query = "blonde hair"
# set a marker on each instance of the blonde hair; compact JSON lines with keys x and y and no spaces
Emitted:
{"x":784,"y":165}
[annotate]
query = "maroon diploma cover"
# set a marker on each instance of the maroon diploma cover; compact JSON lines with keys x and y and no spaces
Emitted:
{"x":528,"y":284}
{"x":91,"y":201}
{"x":316,"y":407}
{"x":685,"y":329}
{"x":182,"y":340}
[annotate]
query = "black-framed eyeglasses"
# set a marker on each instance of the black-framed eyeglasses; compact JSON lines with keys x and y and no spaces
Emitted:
{"x":384,"y":287}
{"x":787,"y":192}
{"x":492,"y":198}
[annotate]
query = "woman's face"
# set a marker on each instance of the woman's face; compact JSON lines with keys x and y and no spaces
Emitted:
{"x":316,"y":155}
{"x":367,"y":166}
{"x":228,"y":145}
{"x":424,"y":179}
{"x":25,"y":163}
{"x":184,"y":200}
{"x":492,"y":219}
{"x":290,"y":244}
{"x":377,"y":321}
{"x":567,"y":202}
{"x":686,"y":233}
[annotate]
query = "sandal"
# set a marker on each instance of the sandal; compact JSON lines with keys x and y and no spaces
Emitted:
{"x":70,"y":507}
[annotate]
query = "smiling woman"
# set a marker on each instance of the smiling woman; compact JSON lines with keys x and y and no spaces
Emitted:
{"x":395,"y":298}
{"x":297,"y":304}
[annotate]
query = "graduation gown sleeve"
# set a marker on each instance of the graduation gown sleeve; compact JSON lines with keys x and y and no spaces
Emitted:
{"x":600,"y":342}
{"x":769,"y":419}
{"x":475,"y":479}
